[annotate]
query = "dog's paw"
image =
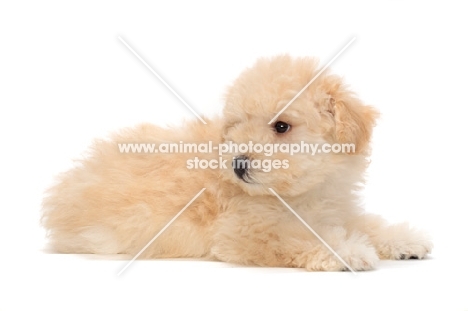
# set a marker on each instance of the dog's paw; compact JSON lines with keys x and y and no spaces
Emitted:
{"x":361,"y":262}
{"x":411,"y":256}
{"x":412,"y":250}
{"x":356,"y":252}
{"x":404,"y":243}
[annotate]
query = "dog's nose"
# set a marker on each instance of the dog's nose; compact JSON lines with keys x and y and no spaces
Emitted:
{"x":240,"y":165}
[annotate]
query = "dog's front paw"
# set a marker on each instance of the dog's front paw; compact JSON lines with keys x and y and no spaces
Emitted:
{"x":417,"y":249}
{"x":356,"y":252}
{"x":403,"y":243}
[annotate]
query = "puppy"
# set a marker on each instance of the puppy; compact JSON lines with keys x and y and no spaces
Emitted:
{"x":115,"y":202}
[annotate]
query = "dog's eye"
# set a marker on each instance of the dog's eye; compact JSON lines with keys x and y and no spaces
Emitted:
{"x":282,"y":127}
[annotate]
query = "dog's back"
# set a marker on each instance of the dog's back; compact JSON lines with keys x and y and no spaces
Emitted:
{"x":116,"y":201}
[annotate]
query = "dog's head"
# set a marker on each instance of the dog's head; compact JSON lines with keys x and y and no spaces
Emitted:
{"x":326,"y":114}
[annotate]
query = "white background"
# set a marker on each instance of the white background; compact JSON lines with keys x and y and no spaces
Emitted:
{"x":65,"y":78}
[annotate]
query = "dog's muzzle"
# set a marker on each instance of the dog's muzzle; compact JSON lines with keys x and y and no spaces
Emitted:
{"x":241,"y":165}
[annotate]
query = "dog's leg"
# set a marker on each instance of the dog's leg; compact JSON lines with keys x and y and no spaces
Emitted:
{"x":398,"y":241}
{"x":284,"y":242}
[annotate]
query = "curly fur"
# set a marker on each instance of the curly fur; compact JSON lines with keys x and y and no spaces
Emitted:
{"x":113,"y":202}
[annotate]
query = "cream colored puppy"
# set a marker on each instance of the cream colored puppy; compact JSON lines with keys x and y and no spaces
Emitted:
{"x":115,"y":203}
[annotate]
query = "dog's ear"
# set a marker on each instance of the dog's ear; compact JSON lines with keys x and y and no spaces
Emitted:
{"x":353,"y":121}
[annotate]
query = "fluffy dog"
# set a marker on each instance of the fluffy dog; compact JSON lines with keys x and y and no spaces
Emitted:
{"x":115,"y":202}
